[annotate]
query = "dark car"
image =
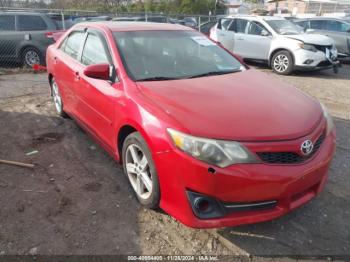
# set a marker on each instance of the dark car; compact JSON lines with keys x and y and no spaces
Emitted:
{"x":24,"y":37}
{"x":205,"y":27}
{"x":336,"y":28}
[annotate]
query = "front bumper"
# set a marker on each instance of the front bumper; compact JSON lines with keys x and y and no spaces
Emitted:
{"x":307,"y":60}
{"x":289,"y":185}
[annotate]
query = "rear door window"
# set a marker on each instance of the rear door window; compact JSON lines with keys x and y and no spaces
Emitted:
{"x":318,"y":24}
{"x":7,"y":23}
{"x":94,"y":51}
{"x":31,"y":23}
{"x":224,"y":23}
{"x":232,"y":26}
{"x":71,"y":46}
{"x":241,"y":25}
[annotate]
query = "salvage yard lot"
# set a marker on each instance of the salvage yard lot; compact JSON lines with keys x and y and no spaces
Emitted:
{"x":77,"y":201}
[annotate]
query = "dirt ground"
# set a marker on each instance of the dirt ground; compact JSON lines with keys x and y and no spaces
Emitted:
{"x":77,"y":200}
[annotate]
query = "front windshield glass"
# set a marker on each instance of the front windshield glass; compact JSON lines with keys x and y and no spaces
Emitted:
{"x":284,"y":27}
{"x":168,"y":55}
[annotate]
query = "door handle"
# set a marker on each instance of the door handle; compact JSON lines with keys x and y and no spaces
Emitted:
{"x":77,"y":76}
{"x":240,"y":38}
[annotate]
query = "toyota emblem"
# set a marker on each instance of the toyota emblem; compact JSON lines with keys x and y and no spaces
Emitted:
{"x":307,"y":147}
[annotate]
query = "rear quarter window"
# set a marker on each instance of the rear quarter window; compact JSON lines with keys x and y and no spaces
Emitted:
{"x":31,"y":23}
{"x":7,"y":23}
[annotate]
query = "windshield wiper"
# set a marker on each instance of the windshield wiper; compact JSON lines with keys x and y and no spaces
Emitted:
{"x":215,"y":73}
{"x":157,"y":78}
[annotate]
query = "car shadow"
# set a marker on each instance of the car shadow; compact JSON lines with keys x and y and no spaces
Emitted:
{"x":319,"y":228}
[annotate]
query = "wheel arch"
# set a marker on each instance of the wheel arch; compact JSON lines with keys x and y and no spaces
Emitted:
{"x":123,"y":133}
{"x":50,"y":77}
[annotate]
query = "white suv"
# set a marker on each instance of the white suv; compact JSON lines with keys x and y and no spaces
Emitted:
{"x":276,"y":41}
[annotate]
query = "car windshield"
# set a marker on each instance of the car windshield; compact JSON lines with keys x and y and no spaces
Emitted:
{"x":284,"y":27}
{"x":170,"y":55}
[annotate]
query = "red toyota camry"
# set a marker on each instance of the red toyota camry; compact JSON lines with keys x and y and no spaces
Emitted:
{"x":199,"y":134}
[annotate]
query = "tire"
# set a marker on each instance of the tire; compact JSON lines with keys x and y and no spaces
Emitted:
{"x":31,"y":56}
{"x":282,"y":63}
{"x":57,"y":99}
{"x":140,"y":170}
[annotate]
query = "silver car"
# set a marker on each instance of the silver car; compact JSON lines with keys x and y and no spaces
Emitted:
{"x":336,"y":28}
{"x":276,"y":41}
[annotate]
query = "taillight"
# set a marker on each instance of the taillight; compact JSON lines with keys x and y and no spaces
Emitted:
{"x":49,"y":34}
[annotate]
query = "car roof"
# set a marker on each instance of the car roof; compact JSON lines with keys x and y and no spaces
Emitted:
{"x":20,"y":13}
{"x":321,"y":18}
{"x":116,"y":26}
{"x":256,"y":17}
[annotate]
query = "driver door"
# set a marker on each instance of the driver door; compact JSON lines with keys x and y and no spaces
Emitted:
{"x":252,"y":40}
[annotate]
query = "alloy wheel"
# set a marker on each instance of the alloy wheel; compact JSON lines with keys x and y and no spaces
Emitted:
{"x":56,"y":97}
{"x":137,"y":168}
{"x":281,"y":63}
{"x":31,"y":58}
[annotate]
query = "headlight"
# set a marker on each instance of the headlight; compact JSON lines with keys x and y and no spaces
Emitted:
{"x":215,"y":152}
{"x":308,"y":47}
{"x":330,"y":124}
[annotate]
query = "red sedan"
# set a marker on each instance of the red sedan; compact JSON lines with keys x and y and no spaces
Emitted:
{"x":199,"y":134}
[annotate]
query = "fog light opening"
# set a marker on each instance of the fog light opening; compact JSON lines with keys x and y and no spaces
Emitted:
{"x":309,"y":61}
{"x":202,"y":205}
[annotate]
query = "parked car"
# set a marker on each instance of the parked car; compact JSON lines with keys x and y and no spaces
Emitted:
{"x":25,"y":36}
{"x":190,"y":21}
{"x":209,"y":140}
{"x":336,"y":28}
{"x":205,"y":27}
{"x":150,"y":18}
{"x":276,"y":41}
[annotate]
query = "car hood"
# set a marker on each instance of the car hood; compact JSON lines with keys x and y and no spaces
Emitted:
{"x":314,"y":39}
{"x":245,"y":106}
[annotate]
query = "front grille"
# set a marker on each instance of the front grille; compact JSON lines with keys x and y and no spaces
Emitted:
{"x":289,"y":157}
{"x":323,"y":47}
{"x":324,"y":63}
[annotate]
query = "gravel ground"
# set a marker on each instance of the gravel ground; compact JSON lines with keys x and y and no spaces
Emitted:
{"x":77,"y":200}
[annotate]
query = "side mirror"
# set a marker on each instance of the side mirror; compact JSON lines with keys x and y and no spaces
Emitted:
{"x":98,"y":71}
{"x":264,"y":33}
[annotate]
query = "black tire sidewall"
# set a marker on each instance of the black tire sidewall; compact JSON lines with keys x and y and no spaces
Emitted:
{"x":36,"y":51}
{"x":289,"y":70}
{"x":135,"y":138}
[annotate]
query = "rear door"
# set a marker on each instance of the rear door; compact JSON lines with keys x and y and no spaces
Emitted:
{"x":239,"y":37}
{"x":224,"y":35}
{"x":8,"y":37}
{"x":95,"y":97}
{"x":66,"y":64}
{"x":255,"y":42}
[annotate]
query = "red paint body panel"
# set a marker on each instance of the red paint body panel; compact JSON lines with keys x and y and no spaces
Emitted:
{"x":261,"y":112}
